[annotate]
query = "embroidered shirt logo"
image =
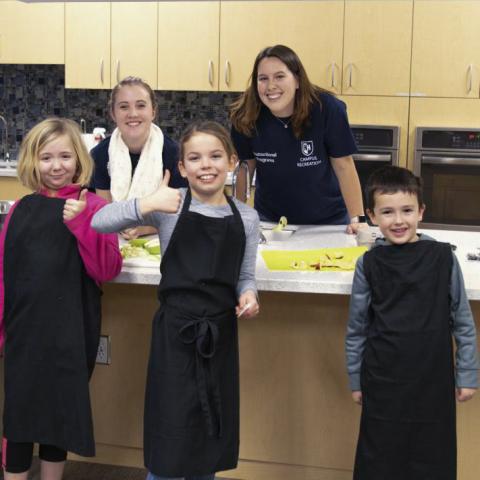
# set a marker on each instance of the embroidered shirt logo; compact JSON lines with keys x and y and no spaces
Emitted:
{"x":307,"y":147}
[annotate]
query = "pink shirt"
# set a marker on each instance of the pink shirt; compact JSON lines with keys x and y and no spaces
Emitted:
{"x":100,"y":253}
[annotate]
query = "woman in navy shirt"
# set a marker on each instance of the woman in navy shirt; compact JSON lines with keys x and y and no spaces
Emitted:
{"x":297,"y":138}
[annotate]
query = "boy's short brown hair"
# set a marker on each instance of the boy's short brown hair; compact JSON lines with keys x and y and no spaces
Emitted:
{"x":391,"y":180}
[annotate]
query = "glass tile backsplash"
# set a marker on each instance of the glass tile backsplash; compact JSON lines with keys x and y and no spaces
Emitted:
{"x":30,"y":93}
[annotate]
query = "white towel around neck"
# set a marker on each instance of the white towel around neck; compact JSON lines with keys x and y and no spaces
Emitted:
{"x":148,"y":174}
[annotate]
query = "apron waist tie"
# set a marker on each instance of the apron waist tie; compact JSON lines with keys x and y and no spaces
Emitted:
{"x":204,"y":333}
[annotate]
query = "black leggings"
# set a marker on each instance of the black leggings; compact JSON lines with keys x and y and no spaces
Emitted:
{"x":17,"y":456}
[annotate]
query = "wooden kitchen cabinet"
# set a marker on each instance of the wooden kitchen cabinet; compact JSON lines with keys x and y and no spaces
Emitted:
{"x":445,"y":50}
{"x":376,"y":110}
{"x":31,"y":33}
{"x":188,"y":36}
{"x":377,"y":47}
{"x":87,"y":45}
{"x":105,"y":42}
{"x":134,"y":41}
{"x":313,"y":29}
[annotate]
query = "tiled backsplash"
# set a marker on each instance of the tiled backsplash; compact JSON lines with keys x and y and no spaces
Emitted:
{"x":30,"y":93}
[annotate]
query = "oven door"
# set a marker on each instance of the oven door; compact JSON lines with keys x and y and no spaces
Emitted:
{"x":451,"y":186}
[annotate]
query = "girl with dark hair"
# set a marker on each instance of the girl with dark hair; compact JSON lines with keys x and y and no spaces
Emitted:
{"x":296,"y":137}
{"x":209,"y":244}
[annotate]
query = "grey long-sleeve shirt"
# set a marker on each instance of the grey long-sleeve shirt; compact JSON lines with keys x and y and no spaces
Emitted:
{"x":463,"y":326}
{"x":118,"y":216}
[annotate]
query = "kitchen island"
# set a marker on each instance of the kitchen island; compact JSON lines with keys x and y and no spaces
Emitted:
{"x":298,"y":421}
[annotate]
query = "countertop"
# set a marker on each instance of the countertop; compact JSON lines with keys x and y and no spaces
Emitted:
{"x":8,"y":171}
{"x":340,"y":283}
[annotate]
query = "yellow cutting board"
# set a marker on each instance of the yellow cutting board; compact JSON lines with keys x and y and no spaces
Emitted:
{"x":321,"y":259}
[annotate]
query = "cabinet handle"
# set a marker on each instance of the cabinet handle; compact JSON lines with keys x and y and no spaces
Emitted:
{"x":117,"y":70}
{"x":332,"y":82}
{"x":101,"y":70}
{"x":210,"y":72}
{"x":350,"y":72}
{"x":469,"y":78}
{"x":227,"y":73}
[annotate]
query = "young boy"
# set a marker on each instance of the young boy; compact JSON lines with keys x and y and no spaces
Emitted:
{"x":408,"y":297}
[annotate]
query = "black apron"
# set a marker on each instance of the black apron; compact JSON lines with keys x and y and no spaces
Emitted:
{"x":407,"y":429}
{"x":52,"y":325}
{"x":192,"y":395}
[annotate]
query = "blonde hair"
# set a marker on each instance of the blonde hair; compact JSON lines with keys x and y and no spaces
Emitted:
{"x":43,"y":133}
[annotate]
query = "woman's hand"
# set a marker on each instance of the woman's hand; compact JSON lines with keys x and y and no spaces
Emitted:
{"x":247,"y":305}
{"x":465,"y":394}
{"x":354,"y":227}
{"x":357,"y":397}
{"x":73,"y":207}
{"x":165,"y":199}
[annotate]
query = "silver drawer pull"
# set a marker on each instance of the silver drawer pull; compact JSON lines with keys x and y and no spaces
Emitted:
{"x":432,"y":160}
{"x":210,"y":72}
{"x":227,"y":73}
{"x":373,"y":157}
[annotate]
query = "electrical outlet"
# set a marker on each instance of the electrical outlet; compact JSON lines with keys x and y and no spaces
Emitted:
{"x":103,"y":352}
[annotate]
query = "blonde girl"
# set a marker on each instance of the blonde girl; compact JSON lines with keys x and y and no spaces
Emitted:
{"x":51,"y":265}
{"x":209,"y":244}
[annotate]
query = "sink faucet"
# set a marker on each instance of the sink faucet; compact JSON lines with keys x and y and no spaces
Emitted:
{"x":236,"y":171}
{"x":4,"y":142}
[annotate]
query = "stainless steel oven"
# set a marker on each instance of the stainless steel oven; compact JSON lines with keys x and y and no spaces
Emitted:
{"x":448,"y":161}
{"x":378,"y":146}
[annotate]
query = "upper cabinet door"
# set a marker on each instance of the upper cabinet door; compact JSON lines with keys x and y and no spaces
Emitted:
{"x":31,"y":33}
{"x":87,"y":45}
{"x":313,"y":29}
{"x":377,"y":47}
{"x":188,"y":45}
{"x":446,"y":49}
{"x":134,"y":41}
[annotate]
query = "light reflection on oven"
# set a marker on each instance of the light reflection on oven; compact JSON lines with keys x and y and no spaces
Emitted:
{"x":448,"y":161}
{"x":451,"y":194}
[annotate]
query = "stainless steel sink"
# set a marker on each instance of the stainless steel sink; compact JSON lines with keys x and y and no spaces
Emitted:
{"x":9,"y":164}
{"x":271,"y":235}
{"x":4,"y":209}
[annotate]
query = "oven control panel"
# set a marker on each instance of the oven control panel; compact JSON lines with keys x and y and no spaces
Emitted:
{"x":451,"y":139}
{"x":378,"y":137}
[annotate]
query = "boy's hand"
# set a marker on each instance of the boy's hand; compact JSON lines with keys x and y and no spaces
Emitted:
{"x":465,"y":394}
{"x":357,"y":397}
{"x":74,"y":207}
{"x":247,"y":305}
{"x":165,"y":199}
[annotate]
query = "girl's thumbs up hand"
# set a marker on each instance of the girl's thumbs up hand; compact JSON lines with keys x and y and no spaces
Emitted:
{"x":74,"y":207}
{"x":165,"y":199}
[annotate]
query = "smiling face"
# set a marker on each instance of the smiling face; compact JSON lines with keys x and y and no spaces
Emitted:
{"x":276,"y":86}
{"x":397,"y":215}
{"x":57,"y":164}
{"x":205,"y":165}
{"x":133,"y":114}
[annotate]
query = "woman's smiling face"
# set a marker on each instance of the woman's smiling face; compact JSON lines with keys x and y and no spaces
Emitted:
{"x":276,"y":86}
{"x":133,"y":113}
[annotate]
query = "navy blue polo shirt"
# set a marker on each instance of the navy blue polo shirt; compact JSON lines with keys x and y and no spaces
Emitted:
{"x":101,"y":177}
{"x":294,"y":176}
